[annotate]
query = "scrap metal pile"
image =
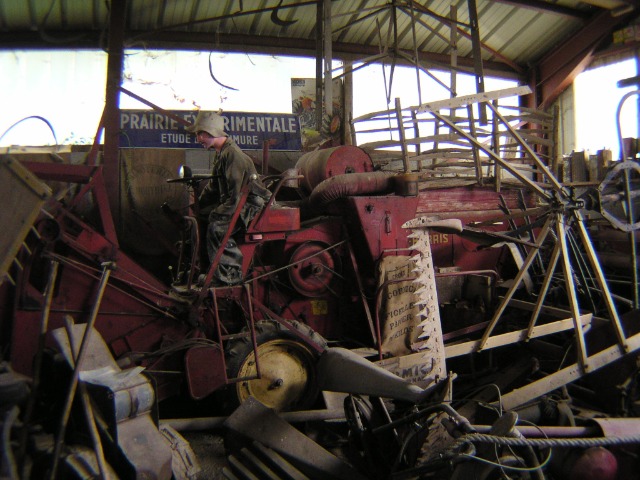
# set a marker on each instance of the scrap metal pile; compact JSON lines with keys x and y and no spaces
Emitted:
{"x":425,"y":323}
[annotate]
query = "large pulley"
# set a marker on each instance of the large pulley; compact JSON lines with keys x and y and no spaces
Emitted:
{"x":313,"y":269}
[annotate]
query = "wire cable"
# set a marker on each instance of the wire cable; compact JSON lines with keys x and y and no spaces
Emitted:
{"x":38,"y":117}
{"x":546,"y":442}
{"x":214,"y":77}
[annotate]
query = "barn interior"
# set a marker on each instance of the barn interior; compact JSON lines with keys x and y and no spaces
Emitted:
{"x":444,"y":290}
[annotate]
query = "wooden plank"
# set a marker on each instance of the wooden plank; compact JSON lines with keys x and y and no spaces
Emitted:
{"x":456,"y":102}
{"x":520,"y":396}
{"x":401,"y":133}
{"x":547,"y":310}
{"x":517,"y":336}
{"x":474,"y":98}
{"x":540,"y":131}
{"x":531,"y":118}
{"x":453,"y":154}
{"x":535,"y":139}
{"x":533,"y":111}
{"x":536,"y":159}
{"x":448,"y":138}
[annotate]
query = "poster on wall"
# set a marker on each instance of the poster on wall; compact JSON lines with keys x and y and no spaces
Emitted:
{"x":151,"y":129}
{"x":329,"y":133}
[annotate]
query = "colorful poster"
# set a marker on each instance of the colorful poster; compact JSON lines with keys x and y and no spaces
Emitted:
{"x":329,"y":133}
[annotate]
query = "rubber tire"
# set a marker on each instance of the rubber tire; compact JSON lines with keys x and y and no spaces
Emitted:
{"x":268,"y":334}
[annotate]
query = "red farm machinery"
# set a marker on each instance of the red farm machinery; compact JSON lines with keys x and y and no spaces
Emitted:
{"x":430,"y":302}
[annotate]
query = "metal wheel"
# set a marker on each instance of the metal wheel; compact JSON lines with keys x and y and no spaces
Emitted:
{"x":286,"y":366}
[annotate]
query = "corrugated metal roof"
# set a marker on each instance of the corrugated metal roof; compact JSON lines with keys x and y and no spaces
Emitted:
{"x":515,"y":34}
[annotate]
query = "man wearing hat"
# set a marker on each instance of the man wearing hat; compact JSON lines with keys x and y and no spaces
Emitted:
{"x":221,"y":194}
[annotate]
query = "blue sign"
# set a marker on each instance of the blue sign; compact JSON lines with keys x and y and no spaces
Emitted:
{"x":151,"y":129}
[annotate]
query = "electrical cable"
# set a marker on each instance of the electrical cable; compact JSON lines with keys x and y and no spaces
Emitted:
{"x":48,"y":38}
{"x":508,"y":467}
{"x":277,"y":20}
{"x":38,"y":117}
{"x":623,"y":155}
{"x":213,"y":77}
{"x":469,"y":397}
{"x":532,"y":452}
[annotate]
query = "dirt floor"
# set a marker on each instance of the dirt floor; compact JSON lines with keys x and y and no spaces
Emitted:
{"x":209,"y":450}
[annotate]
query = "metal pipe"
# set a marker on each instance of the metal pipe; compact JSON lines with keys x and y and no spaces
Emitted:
{"x":363,"y":297}
{"x":111,"y":116}
{"x":64,"y":418}
{"x":87,"y":408}
{"x":252,"y":329}
{"x":209,"y":423}
{"x":523,"y":269}
{"x":572,"y":295}
{"x":553,"y":262}
{"x":582,"y":268}
{"x":196,"y":249}
{"x":602,"y":283}
{"x":94,"y":433}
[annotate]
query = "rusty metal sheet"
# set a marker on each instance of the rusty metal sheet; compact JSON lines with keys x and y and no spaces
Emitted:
{"x":341,"y":370}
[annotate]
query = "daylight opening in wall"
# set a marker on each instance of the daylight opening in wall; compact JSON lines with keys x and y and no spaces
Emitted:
{"x":597,"y":97}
